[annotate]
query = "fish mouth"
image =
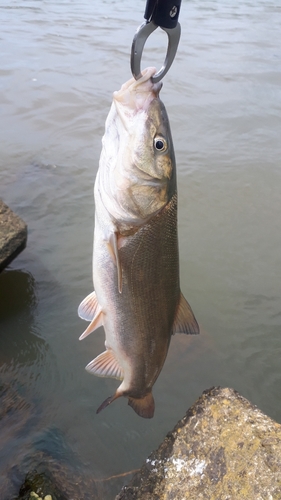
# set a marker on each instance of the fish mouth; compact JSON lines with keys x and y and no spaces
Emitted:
{"x":136,"y":95}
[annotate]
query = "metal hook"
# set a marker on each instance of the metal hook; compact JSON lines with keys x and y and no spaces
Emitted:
{"x":139,"y":40}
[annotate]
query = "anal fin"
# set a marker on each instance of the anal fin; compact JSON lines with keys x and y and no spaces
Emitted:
{"x":144,"y":407}
{"x":105,"y":365}
{"x":185,"y":321}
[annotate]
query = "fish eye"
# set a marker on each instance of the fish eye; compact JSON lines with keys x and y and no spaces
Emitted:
{"x":160,"y":144}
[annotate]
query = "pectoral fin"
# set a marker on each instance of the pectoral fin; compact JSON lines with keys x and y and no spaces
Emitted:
{"x":105,"y":365}
{"x":113,"y":250}
{"x":144,"y":407}
{"x":185,"y":321}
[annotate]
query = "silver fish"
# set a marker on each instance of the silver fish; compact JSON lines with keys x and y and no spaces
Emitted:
{"x":137,"y":294}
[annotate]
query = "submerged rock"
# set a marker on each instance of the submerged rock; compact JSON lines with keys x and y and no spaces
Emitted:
{"x":55,"y":479}
{"x":224,"y":448}
{"x":38,"y":486}
{"x":13,"y":235}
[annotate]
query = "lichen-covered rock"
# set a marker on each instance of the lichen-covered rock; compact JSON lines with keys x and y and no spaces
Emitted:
{"x":13,"y":235}
{"x":223,"y":449}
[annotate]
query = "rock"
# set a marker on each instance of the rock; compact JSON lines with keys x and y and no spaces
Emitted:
{"x":52,"y":478}
{"x":223,"y":449}
{"x":13,"y":235}
{"x":44,"y":465}
{"x":38,"y":486}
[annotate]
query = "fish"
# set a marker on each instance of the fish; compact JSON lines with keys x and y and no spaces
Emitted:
{"x":137,"y":297}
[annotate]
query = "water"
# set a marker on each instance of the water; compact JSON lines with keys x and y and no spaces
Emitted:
{"x":60,"y":63}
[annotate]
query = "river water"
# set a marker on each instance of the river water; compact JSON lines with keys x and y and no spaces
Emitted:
{"x":60,"y":63}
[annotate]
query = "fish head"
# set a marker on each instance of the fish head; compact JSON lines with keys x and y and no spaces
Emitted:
{"x":152,"y":151}
{"x":141,"y":168}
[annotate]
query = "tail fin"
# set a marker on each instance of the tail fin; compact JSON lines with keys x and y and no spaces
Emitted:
{"x":143,"y":407}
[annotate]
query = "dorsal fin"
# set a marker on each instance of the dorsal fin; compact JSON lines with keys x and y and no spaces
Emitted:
{"x":113,"y":250}
{"x":96,"y":323}
{"x":105,"y":365}
{"x":185,"y":321}
{"x":89,"y":307}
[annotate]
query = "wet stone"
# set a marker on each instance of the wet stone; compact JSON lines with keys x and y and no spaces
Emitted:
{"x":224,"y":448}
{"x":39,"y":486}
{"x":51,"y":478}
{"x":13,"y":235}
{"x":56,"y":480}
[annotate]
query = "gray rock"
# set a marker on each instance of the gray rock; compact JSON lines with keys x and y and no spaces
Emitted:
{"x":223,"y":449}
{"x":13,"y":235}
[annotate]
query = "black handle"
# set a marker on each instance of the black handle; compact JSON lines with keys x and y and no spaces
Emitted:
{"x":163,"y":13}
